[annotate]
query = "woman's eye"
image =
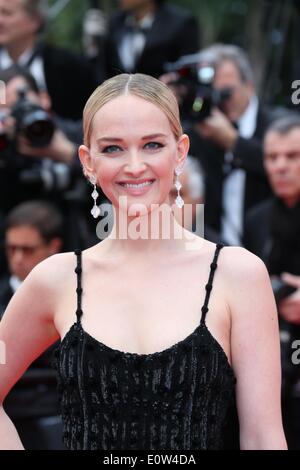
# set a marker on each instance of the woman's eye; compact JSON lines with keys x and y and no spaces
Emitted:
{"x":153,"y":145}
{"x":111,"y":149}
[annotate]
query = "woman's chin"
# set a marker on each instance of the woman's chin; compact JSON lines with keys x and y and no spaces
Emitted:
{"x":134,"y":209}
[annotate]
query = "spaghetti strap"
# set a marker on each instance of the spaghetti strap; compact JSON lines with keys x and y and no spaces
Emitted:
{"x":209,"y":284}
{"x":78,"y":271}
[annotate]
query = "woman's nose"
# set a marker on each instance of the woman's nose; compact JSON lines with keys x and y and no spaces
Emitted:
{"x":135,"y":163}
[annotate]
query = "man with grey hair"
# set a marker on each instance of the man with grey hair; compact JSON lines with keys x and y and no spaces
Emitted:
{"x":229,"y":143}
{"x":68,"y":78}
{"x":272,"y":231}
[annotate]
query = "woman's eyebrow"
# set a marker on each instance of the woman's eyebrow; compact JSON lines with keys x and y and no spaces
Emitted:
{"x":109,"y":139}
{"x":118,"y":139}
{"x":153,"y":136}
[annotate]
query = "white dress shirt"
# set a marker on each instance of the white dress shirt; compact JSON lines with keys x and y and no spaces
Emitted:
{"x":14,"y":283}
{"x":35,"y":67}
{"x":234,"y":183}
{"x":133,"y":43}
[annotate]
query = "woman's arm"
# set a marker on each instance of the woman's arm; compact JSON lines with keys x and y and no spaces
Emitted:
{"x":255,"y":351}
{"x":9,"y":438}
{"x":26,"y":330}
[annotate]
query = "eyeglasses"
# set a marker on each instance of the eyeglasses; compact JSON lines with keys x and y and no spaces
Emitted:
{"x":27,"y":250}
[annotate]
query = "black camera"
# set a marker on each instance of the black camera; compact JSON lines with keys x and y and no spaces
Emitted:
{"x":31,"y":120}
{"x":195,"y":87}
{"x":37,"y":126}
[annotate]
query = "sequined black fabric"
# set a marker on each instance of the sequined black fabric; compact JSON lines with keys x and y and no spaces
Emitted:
{"x":175,"y":399}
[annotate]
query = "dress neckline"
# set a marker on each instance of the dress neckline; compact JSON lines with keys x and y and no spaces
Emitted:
{"x":184,"y":343}
{"x":158,"y":354}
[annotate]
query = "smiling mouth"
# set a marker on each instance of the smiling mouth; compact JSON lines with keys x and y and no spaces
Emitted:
{"x":137,"y":185}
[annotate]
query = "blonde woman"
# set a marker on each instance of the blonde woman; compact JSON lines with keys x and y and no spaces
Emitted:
{"x":160,"y":334}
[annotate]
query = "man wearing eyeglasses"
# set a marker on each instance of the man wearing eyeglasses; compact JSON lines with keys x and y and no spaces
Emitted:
{"x":229,"y":143}
{"x":33,"y":232}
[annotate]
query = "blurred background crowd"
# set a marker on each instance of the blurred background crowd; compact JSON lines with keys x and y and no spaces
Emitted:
{"x":234,"y":66}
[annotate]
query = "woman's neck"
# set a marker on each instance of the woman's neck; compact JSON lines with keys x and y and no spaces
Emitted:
{"x":158,"y":231}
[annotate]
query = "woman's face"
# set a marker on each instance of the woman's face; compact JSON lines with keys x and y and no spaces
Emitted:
{"x":133,"y":152}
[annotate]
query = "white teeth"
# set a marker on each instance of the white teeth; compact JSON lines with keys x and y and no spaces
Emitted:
{"x":136,"y":186}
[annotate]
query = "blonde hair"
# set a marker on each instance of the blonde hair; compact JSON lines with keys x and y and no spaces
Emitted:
{"x":143,"y":86}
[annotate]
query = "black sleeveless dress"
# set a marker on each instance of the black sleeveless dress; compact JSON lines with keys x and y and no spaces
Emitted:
{"x":175,"y":399}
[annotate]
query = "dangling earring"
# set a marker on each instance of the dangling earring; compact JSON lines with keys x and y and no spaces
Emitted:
{"x":95,"y":210}
{"x":179,"y":201}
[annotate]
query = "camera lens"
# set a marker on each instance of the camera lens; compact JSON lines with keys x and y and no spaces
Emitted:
{"x":38,"y":128}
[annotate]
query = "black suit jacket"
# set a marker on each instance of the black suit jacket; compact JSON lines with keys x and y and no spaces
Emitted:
{"x":258,"y":240}
{"x":248,"y":155}
{"x":174,"y":33}
{"x":6,"y":294}
{"x":257,"y":233}
{"x":70,"y":80}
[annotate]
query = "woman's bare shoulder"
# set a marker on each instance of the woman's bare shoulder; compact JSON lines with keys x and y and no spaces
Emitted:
{"x":244,"y":276}
{"x":53,"y":271}
{"x":239,"y":263}
{"x":236,"y":265}
{"x":230,"y":256}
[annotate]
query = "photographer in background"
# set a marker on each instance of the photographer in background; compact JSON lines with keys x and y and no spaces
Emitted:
{"x":272,"y":231}
{"x":68,"y":78}
{"x":227,"y":138}
{"x":33,"y":232}
{"x":37,"y":159}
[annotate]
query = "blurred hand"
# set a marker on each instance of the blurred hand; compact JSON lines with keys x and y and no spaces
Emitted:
{"x":171,"y":80}
{"x":289,"y":308}
{"x":218,"y":129}
{"x":60,"y":149}
{"x":7,"y":122}
{"x":168,"y":78}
